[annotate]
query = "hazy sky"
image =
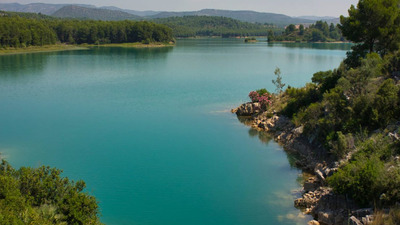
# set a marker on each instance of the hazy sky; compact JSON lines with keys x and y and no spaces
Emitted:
{"x":288,"y":7}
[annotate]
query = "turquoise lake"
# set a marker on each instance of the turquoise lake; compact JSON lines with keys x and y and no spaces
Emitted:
{"x":150,"y":130}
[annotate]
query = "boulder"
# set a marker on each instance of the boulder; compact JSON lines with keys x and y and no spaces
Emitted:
{"x":320,"y":175}
{"x":354,"y":221}
{"x":326,"y":218}
{"x":310,"y":184}
{"x":313,"y":222}
{"x":247,"y":109}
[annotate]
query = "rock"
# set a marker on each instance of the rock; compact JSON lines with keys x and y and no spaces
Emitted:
{"x":339,"y":219}
{"x":326,"y":218}
{"x":354,"y":221}
{"x":298,"y":130}
{"x":313,"y":222}
{"x":394,"y":136}
{"x":367,"y":220}
{"x":363,"y":212}
{"x":310,"y":184}
{"x":320,"y":175}
{"x":247,"y":109}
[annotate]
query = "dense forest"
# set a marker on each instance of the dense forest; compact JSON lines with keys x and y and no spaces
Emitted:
{"x":28,"y":30}
{"x":42,"y":196}
{"x":192,"y":26}
{"x":318,"y":32}
{"x":353,"y":112}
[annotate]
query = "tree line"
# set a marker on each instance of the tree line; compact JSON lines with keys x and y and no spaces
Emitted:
{"x":16,"y":31}
{"x":192,"y":26}
{"x":318,"y":32}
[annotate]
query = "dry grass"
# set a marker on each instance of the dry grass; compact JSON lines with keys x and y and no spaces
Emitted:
{"x":45,"y":48}
{"x":393,"y":218}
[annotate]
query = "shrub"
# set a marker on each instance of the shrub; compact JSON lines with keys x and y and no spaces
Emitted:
{"x":262,"y":96}
{"x":359,"y":179}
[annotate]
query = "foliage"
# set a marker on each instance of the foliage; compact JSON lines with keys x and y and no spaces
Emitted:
{"x":374,"y":25}
{"x":42,"y":196}
{"x":278,"y":81}
{"x":318,"y":32}
{"x":22,"y":32}
{"x":353,"y":111}
{"x":250,"y":40}
{"x":262,"y":96}
{"x":192,"y":26}
{"x":359,"y":180}
{"x":298,"y":99}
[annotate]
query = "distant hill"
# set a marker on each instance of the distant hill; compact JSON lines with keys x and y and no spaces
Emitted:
{"x":245,"y":16}
{"x":328,"y":19}
{"x":43,"y":8}
{"x":134,"y":12}
{"x":116,"y":13}
{"x":78,"y":12}
{"x":25,"y":15}
{"x":191,"y":26}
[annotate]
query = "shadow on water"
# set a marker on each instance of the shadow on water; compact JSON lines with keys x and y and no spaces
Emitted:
{"x":20,"y":65}
{"x":23,"y":65}
{"x":329,"y":46}
{"x":137,"y":53}
{"x":265,"y":138}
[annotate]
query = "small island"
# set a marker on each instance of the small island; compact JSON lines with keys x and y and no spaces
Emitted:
{"x":250,"y":40}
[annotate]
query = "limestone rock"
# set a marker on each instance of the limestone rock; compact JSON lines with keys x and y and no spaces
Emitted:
{"x":320,"y":175}
{"x":247,"y":109}
{"x":313,"y":222}
{"x":326,"y":218}
{"x":354,"y":221}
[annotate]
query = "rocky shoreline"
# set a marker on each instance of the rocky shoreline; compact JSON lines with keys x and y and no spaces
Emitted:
{"x":317,"y":199}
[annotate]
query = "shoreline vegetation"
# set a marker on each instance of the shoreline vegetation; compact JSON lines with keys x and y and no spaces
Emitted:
{"x":318,"y":32}
{"x":23,"y":33}
{"x":69,"y":47}
{"x":345,"y":125}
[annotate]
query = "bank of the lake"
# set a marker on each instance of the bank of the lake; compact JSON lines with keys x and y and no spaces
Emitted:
{"x":150,"y":132}
{"x":44,"y":48}
{"x":70,"y":47}
{"x":317,"y":199}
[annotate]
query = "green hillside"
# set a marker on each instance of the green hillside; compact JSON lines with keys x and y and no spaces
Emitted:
{"x":79,"y":12}
{"x":191,"y":26}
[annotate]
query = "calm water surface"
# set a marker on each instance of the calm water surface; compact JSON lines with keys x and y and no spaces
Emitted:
{"x":150,"y":131}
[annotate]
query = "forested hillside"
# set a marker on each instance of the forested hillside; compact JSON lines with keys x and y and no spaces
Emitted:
{"x":352,"y":113}
{"x":78,"y":12}
{"x":16,"y":31}
{"x":318,"y":32}
{"x":191,"y":26}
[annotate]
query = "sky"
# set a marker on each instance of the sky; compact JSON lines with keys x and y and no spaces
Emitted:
{"x":288,"y":7}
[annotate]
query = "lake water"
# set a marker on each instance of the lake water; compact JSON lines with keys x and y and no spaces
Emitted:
{"x":150,"y":130}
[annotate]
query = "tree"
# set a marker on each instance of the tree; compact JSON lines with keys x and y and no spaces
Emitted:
{"x":374,"y":25}
{"x":301,"y":29}
{"x":278,"y":82}
{"x":290,"y":29}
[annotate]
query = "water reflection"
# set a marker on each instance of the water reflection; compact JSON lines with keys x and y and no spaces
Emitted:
{"x":137,"y":53}
{"x":34,"y":64}
{"x":265,"y":137}
{"x":329,"y":46}
{"x":22,"y":64}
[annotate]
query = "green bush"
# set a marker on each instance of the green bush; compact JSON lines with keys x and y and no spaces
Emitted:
{"x":359,"y":180}
{"x":42,"y":196}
